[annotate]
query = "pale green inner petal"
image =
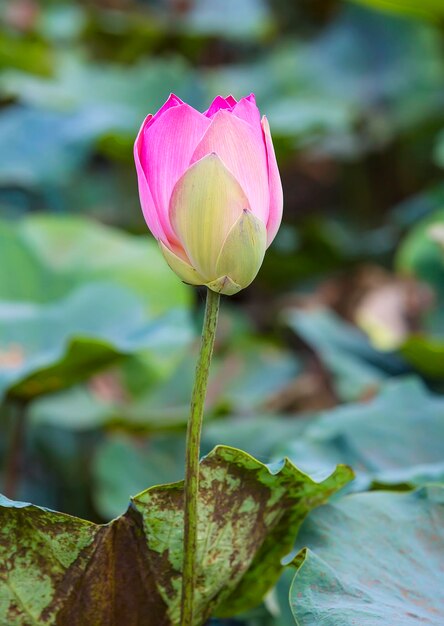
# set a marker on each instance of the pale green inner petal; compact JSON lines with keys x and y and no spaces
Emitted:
{"x":244,"y":249}
{"x":206,"y":202}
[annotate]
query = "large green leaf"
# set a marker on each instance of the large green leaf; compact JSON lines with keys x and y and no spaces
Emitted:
{"x":58,"y":569}
{"x":397,"y":438}
{"x":71,"y":284}
{"x":403,"y":451}
{"x":242,"y":379}
{"x":47,"y":347}
{"x":51,"y":255}
{"x":374,"y":559}
{"x":123,"y":465}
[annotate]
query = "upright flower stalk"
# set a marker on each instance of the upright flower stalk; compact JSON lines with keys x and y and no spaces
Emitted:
{"x":192,"y":456}
{"x":211,"y":194}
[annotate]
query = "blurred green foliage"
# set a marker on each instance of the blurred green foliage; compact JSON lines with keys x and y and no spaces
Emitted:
{"x":334,"y":354}
{"x":429,"y":9}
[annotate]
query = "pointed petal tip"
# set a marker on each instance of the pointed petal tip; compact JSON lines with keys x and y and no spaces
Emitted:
{"x":171,"y":102}
{"x":143,"y":125}
{"x":222,"y":113}
{"x":175,"y":98}
{"x":211,"y":157}
{"x":224,"y":285}
{"x":219,"y":103}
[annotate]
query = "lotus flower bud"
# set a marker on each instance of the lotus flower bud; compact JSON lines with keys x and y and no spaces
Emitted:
{"x":210,"y":190}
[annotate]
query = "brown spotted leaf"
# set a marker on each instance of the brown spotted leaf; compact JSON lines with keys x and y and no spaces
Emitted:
{"x":62,"y":571}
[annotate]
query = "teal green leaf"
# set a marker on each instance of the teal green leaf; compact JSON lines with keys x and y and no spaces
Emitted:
{"x":355,"y":365}
{"x":65,"y":140}
{"x":119,"y":94}
{"x":123,"y":465}
{"x":247,"y":21}
{"x":247,"y":375}
{"x":52,"y":255}
{"x":250,"y":373}
{"x":373,"y":559}
{"x":71,"y":284}
{"x":57,"y":569}
{"x":44,"y":348}
{"x":396,"y":439}
{"x":402,"y":452}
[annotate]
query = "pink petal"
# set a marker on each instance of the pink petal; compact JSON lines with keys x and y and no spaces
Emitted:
{"x":243,"y":153}
{"x":167,"y":148}
{"x":247,"y":110}
{"x":231,"y":100}
{"x":172,"y":101}
{"x":274,"y":181}
{"x":146,"y":200}
{"x":218,"y":104}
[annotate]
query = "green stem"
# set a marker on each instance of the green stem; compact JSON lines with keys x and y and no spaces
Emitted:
{"x":192,"y":456}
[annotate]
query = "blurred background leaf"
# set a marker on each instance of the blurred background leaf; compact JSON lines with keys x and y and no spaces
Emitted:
{"x":432,"y":9}
{"x":334,"y":354}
